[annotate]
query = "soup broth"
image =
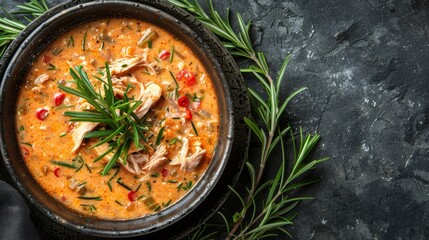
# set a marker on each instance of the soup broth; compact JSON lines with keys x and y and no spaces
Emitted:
{"x":178,"y":111}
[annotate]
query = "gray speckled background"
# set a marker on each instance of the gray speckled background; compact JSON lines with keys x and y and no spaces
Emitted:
{"x":365,"y":63}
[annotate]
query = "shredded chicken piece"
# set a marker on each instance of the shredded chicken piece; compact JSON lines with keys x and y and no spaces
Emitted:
{"x":39,"y":82}
{"x":138,"y":163}
{"x":192,"y":161}
{"x":79,"y":131}
{"x":148,"y":97}
{"x":41,"y":79}
{"x":181,"y":155}
{"x":135,"y":162}
{"x":122,"y":66}
{"x":186,"y":163}
{"x":157,"y":159}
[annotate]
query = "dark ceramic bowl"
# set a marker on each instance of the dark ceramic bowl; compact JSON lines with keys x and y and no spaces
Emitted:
{"x":211,"y":190}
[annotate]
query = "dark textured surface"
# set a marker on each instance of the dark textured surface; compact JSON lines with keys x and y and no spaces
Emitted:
{"x":366,"y":66}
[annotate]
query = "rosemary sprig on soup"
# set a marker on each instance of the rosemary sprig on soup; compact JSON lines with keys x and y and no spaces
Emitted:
{"x":117,"y":118}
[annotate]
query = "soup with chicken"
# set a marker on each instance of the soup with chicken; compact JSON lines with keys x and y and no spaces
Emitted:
{"x":117,"y":119}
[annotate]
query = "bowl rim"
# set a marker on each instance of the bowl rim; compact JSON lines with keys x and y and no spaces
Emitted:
{"x":20,"y":43}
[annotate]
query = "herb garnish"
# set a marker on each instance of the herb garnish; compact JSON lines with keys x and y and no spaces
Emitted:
{"x":123,"y":184}
{"x":10,"y":27}
{"x":84,"y":41}
{"x":244,"y":224}
{"x":123,"y":127}
{"x":64,"y":164}
{"x":51,"y":67}
{"x":266,"y":207}
{"x":90,"y":198}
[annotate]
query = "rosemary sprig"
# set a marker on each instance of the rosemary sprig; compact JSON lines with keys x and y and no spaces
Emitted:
{"x":122,"y":126}
{"x":257,"y":219}
{"x":10,"y":26}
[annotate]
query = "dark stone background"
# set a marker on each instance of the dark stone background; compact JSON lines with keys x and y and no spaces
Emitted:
{"x":365,"y":63}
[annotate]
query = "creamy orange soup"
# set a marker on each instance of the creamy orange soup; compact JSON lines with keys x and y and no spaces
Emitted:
{"x":178,"y":107}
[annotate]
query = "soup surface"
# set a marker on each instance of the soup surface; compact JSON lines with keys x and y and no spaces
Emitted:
{"x":174,"y":103}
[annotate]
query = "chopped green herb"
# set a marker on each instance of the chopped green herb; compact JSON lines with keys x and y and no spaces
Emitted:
{"x":70,"y":42}
{"x":63,"y":134}
{"x":160,"y":137}
{"x":124,"y":65}
{"x":88,"y":168}
{"x":64,"y":164}
{"x":179,"y":186}
{"x":157,"y":59}
{"x":154,"y":174}
{"x":109,"y":185}
{"x":166,"y":204}
{"x":138,"y":188}
{"x":160,"y":122}
{"x":21,"y":128}
{"x":102,"y":45}
{"x":92,"y":208}
{"x":174,"y":78}
{"x":101,"y":71}
{"x":26,"y":143}
{"x":119,"y":203}
{"x":57,"y":51}
{"x":149,"y":43}
{"x":196,"y":99}
{"x":123,"y":184}
{"x":174,"y":141}
{"x":90,"y":198}
{"x":172,"y":181}
{"x":193,"y":127}
{"x":149,"y":186}
{"x":141,"y":196}
{"x":62,"y":106}
{"x":188,"y":185}
{"x":172,"y":55}
{"x":84,"y":42}
{"x":51,"y":67}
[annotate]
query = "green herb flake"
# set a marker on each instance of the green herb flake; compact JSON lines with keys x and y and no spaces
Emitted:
{"x":90,"y":198}
{"x":167,"y":203}
{"x":57,"y":51}
{"x":26,"y":143}
{"x":123,"y":184}
{"x":195,"y":129}
{"x":64,"y":164}
{"x":84,"y":41}
{"x":70,"y":43}
{"x":149,"y":186}
{"x":172,"y":55}
{"x":160,"y":136}
{"x":51,"y":67}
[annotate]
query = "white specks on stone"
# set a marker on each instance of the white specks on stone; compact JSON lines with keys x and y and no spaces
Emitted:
{"x":365,"y":147}
{"x":346,"y":73}
{"x":324,"y":221}
{"x":310,"y":55}
{"x":377,"y":34}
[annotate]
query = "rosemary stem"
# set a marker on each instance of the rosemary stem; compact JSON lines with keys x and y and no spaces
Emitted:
{"x":264,"y":154}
